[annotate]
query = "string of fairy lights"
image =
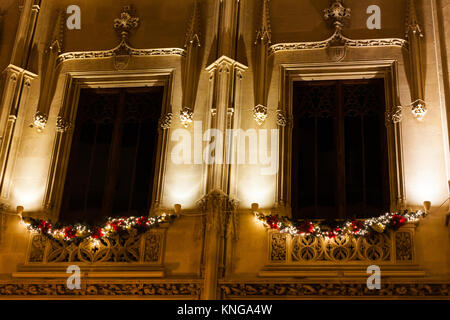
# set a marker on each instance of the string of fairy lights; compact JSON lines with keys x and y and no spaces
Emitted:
{"x":303,"y":227}
{"x":356,"y":227}
{"x":80,"y":232}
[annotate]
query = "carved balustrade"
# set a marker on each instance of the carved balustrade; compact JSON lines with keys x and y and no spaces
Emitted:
{"x":123,"y":249}
{"x":380,"y":248}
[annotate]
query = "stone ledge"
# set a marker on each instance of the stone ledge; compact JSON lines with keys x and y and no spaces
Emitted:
{"x":101,"y":289}
{"x":302,"y":290}
{"x":117,"y":274}
{"x":341,"y":272}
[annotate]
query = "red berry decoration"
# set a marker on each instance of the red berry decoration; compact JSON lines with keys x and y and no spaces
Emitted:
{"x":305,"y":227}
{"x":97,"y":233}
{"x":44,"y":226}
{"x":272,"y":221}
{"x":397,"y":221}
{"x":70,"y":232}
{"x":142,"y":221}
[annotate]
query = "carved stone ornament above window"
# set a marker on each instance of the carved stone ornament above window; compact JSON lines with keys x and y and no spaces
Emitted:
{"x":337,"y":12}
{"x":126,"y":22}
{"x":124,"y":25}
{"x":337,"y":42}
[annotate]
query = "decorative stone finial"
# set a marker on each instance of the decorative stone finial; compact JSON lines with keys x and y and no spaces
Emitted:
{"x":126,"y":22}
{"x":337,"y":13}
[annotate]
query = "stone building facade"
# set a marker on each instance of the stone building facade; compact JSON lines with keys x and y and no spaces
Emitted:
{"x":222,"y":64}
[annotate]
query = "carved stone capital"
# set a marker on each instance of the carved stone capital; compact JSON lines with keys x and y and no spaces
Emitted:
{"x":62,"y":125}
{"x":40,"y":120}
{"x":222,"y":211}
{"x":166,"y":121}
{"x":260,"y":114}
{"x":225,"y":64}
{"x":217,"y":200}
{"x":419,"y":109}
{"x":186,"y":116}
{"x":394,"y":116}
{"x":282,"y":119}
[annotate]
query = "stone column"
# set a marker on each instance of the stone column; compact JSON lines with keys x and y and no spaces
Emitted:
{"x":225,"y":77}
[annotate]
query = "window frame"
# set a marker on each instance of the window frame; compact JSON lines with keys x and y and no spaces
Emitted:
{"x":74,"y":82}
{"x":385,"y":69}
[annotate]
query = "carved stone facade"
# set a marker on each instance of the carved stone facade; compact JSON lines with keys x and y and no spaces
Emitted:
{"x":228,"y":64}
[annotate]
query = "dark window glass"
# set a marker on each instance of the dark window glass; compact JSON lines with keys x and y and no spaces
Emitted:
{"x":339,"y":164}
{"x":112,"y":158}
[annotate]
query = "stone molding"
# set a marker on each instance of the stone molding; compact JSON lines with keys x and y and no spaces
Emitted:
{"x":113,"y":52}
{"x":100,"y":288}
{"x":337,"y":13}
{"x":387,"y":69}
{"x":333,"y":290}
{"x":123,"y":25}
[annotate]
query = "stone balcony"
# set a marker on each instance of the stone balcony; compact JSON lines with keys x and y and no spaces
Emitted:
{"x":126,"y":255}
{"x":342,"y":256}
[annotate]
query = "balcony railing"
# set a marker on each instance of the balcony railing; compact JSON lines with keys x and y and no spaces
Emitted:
{"x":124,"y":249}
{"x":381,"y":248}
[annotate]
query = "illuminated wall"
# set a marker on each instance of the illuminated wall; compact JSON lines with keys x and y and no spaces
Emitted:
{"x":27,"y":163}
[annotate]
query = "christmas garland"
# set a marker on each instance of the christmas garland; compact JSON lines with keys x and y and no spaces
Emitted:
{"x":79,"y":232}
{"x":327,"y":229}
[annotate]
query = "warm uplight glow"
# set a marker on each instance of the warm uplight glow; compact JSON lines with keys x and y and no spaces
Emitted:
{"x":424,"y":185}
{"x":256,"y":188}
{"x":29,"y":196}
{"x":182,"y":187}
{"x":30,"y":174}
